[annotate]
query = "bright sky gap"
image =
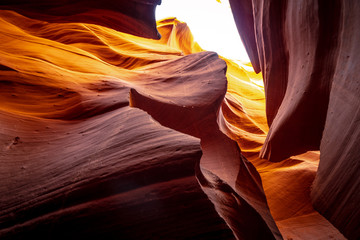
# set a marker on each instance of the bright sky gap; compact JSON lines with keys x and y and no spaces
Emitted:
{"x":211,"y":23}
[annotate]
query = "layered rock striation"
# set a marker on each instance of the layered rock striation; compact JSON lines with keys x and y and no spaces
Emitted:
{"x":106,"y":134}
{"x":306,"y":51}
{"x":78,"y":161}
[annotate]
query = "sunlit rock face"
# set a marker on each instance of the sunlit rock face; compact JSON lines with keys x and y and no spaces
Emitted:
{"x":106,"y":134}
{"x":242,"y":118}
{"x":82,"y":158}
{"x":308,"y":55}
{"x":76,"y":160}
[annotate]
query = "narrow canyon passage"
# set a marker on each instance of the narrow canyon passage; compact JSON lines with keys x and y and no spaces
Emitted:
{"x":109,"y":131}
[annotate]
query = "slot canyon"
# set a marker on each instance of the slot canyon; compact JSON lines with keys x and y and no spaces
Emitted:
{"x":118,"y":126}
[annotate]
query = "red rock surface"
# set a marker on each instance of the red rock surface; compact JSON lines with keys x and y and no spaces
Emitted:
{"x":110,"y":135}
{"x":76,"y":160}
{"x":136,"y":17}
{"x":74,"y":152}
{"x":306,"y":51}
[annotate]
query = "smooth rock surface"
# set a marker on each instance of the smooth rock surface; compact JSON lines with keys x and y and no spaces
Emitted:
{"x":306,"y":51}
{"x":76,"y":160}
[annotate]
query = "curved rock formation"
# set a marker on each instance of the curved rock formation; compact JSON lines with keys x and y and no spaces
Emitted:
{"x":306,"y":51}
{"x":242,"y":117}
{"x":136,"y":17}
{"x":230,"y":181}
{"x":77,"y":161}
{"x":74,"y":152}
